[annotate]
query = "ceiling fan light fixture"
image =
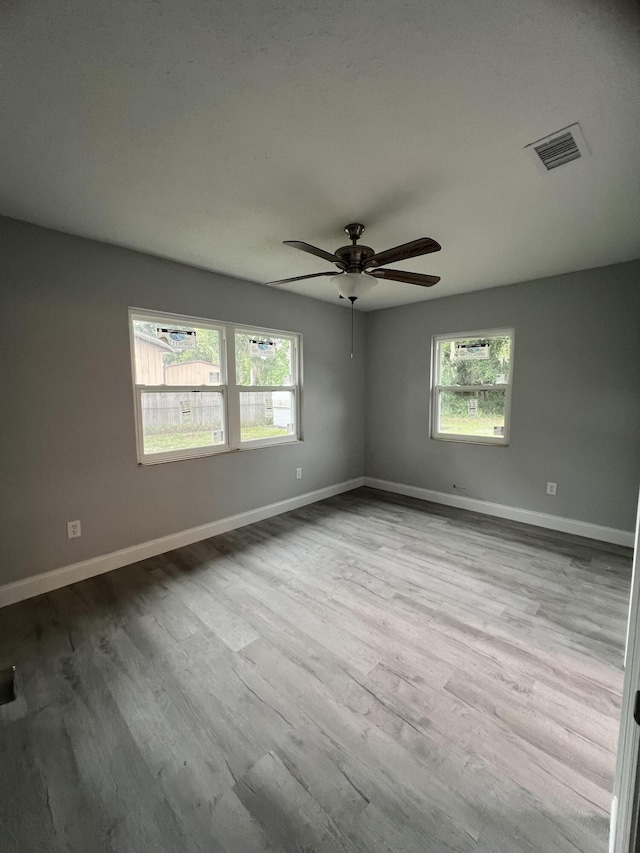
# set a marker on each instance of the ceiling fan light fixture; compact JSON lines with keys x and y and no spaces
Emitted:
{"x":353,"y":285}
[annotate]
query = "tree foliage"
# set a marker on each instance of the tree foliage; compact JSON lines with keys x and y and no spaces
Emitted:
{"x":259,"y":370}
{"x":483,"y":371}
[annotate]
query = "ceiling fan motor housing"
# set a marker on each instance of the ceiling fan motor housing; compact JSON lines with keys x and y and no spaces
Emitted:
{"x":354,"y":256}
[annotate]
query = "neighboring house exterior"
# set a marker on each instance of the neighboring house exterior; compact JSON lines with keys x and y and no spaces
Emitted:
{"x":192,"y":373}
{"x":148,"y":353}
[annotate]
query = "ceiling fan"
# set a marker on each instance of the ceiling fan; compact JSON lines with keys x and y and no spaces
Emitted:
{"x":360,"y":265}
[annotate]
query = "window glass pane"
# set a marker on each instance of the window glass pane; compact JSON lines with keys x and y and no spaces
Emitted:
{"x":180,"y":420}
{"x":475,"y":361}
{"x":263,"y":359}
{"x":265,"y":414}
{"x":170,"y":353}
{"x":472,"y":413}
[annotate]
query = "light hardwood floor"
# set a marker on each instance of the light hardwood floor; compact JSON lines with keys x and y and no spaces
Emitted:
{"x":370,"y":673}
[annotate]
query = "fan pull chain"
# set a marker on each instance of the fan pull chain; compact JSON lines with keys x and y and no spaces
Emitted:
{"x":352,"y":299}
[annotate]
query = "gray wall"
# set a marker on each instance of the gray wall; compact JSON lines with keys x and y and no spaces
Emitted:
{"x":575,"y":404}
{"x":68,"y":439}
{"x":67,"y":426}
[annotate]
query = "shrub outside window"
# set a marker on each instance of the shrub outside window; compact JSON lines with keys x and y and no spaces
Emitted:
{"x":203,"y":387}
{"x":471,"y":386}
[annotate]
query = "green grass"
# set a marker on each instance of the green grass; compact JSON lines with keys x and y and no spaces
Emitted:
{"x":460,"y":425}
{"x":176,"y":441}
{"x":253,"y":433}
{"x":161,"y":443}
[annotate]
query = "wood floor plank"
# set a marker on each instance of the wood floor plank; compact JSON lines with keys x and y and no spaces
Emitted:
{"x":369,"y":674}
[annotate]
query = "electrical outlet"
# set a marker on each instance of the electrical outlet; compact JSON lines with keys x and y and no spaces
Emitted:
{"x":74,"y":530}
{"x":552,"y":488}
{"x":298,"y":473}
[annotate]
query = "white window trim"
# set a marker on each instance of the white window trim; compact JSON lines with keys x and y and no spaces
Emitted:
{"x":436,"y":388}
{"x":228,"y":387}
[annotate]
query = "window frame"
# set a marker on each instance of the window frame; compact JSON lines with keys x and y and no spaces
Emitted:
{"x":228,"y":387}
{"x":294,"y":388}
{"x":437,"y":388}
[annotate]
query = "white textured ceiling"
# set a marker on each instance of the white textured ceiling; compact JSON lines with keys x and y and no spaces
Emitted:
{"x":209,"y":132}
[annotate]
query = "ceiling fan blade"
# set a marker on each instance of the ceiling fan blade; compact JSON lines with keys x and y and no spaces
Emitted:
{"x":407,"y":277}
{"x":423,"y":246}
{"x":314,"y":250}
{"x":300,"y":277}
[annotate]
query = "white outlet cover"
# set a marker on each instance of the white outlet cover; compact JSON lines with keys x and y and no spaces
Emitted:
{"x":74,"y":530}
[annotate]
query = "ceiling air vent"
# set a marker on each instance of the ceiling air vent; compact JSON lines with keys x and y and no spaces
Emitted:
{"x":559,"y":148}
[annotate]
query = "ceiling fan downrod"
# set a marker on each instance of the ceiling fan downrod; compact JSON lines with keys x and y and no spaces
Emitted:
{"x":354,"y":231}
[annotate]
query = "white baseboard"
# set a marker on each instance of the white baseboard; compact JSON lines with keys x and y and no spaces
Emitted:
{"x":527,"y":516}
{"x":47,"y":581}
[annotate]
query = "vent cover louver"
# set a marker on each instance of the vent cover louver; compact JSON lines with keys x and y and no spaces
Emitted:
{"x":559,"y":148}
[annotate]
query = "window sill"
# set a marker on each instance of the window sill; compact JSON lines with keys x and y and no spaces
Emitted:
{"x":213,"y":452}
{"x":486,"y":441}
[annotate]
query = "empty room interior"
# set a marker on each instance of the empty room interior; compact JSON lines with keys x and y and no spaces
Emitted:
{"x":320,"y":451}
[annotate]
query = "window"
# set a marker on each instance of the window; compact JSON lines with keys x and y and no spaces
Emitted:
{"x":471,"y":389}
{"x":203,"y":387}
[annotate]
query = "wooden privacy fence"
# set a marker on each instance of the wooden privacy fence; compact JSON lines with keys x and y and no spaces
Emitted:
{"x":173,"y":410}
{"x":161,"y":411}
